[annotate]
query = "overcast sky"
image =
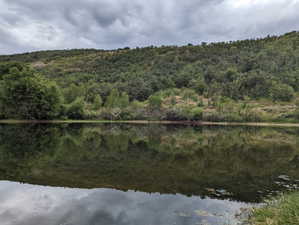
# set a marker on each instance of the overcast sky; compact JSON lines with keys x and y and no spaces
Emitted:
{"x":30,"y":25}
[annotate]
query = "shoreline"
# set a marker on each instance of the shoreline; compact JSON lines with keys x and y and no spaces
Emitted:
{"x":190,"y":123}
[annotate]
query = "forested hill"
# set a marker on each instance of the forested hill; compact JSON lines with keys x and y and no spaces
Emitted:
{"x":266,"y":68}
{"x":235,"y":69}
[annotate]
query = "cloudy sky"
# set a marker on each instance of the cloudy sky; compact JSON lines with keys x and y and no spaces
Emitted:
{"x":29,"y":25}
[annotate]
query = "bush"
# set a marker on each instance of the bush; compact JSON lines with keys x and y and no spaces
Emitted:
{"x":281,"y":92}
{"x":92,"y":115}
{"x":136,"y":111}
{"x":184,"y":113}
{"x":111,"y":113}
{"x":75,"y":110}
{"x":155,"y":102}
{"x":196,"y":113}
{"x":174,"y":114}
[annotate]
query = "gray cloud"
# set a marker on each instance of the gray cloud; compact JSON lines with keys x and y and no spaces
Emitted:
{"x":28,"y":25}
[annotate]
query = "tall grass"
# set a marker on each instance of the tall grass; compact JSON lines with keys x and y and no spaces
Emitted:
{"x":282,"y":211}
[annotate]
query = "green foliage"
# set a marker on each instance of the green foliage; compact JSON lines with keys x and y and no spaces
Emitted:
{"x":123,"y":100}
{"x":73,"y":92}
{"x":155,"y":102}
{"x":281,"y":92}
{"x":190,"y":113}
{"x":260,"y":69}
{"x":198,"y":85}
{"x":235,"y":69}
{"x":136,"y":111}
{"x":27,"y":95}
{"x":196,"y":113}
{"x":189,"y":94}
{"x":75,"y":110}
{"x":281,"y":211}
{"x":219,"y":156}
{"x":117,"y":100}
{"x":113,"y":99}
{"x":97,"y":103}
{"x":184,"y":112}
{"x":6,"y":67}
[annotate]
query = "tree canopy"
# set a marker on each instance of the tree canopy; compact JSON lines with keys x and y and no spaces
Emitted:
{"x":27,"y":95}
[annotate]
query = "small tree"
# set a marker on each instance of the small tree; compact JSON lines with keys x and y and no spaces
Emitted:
{"x":123,"y":100}
{"x":97,"y":102}
{"x":113,"y":99}
{"x":155,"y":102}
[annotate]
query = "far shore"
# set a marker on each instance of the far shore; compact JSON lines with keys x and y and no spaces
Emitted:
{"x":193,"y":123}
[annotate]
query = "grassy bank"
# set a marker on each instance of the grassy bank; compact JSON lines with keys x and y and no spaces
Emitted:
{"x":282,"y":211}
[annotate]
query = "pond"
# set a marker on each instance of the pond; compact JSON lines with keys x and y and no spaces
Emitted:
{"x":121,"y":174}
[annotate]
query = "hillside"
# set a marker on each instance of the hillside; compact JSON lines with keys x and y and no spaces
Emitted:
{"x":258,"y":71}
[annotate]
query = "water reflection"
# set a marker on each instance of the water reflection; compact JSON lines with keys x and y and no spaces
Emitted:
{"x":241,"y":163}
{"x":217,"y":167}
{"x":22,"y":204}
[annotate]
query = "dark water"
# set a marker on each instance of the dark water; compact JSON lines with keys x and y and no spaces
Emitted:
{"x":141,"y":174}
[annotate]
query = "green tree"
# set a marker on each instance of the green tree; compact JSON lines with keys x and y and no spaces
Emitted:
{"x":28,"y":95}
{"x":97,"y":102}
{"x":155,"y":102}
{"x":198,"y":85}
{"x":5,"y":67}
{"x":281,"y":92}
{"x":73,"y":92}
{"x":123,"y":100}
{"x":75,"y":110}
{"x":113,"y":99}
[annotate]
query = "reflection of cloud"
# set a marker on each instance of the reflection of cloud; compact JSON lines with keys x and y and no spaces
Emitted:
{"x":23,"y":204}
{"x":36,"y":24}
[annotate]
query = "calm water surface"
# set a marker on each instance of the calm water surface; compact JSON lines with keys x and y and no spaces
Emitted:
{"x":141,"y":174}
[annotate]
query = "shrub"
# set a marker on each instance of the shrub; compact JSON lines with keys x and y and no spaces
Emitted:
{"x":111,"y":113}
{"x":136,"y":111}
{"x":184,"y":113}
{"x":92,"y":114}
{"x":281,"y":92}
{"x":155,"y":102}
{"x":75,"y":110}
{"x":196,"y":113}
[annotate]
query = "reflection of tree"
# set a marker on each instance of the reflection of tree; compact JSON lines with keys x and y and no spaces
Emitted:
{"x":21,"y":144}
{"x":29,"y":139}
{"x":150,"y":158}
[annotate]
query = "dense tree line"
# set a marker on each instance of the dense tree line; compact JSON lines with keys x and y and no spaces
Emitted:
{"x":84,"y":81}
